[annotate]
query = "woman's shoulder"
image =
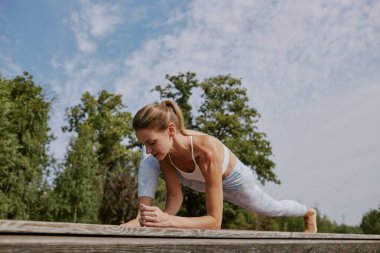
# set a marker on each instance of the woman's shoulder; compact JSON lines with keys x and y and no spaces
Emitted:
{"x":203,"y":141}
{"x":207,"y":149}
{"x":206,"y":143}
{"x":194,"y":132}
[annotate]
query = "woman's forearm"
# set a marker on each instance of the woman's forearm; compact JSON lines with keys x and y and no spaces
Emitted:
{"x":202,"y":222}
{"x":173,"y":204}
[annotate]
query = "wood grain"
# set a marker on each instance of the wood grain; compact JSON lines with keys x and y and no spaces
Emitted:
{"x":26,"y":243}
{"x":34,"y":236}
{"x":53,"y":228}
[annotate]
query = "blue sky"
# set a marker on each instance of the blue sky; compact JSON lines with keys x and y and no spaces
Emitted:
{"x":311,"y":68}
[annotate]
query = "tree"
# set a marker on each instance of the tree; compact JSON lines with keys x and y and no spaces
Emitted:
{"x":120,"y":202}
{"x":77,"y":185}
{"x":24,"y":140}
{"x":225,"y":114}
{"x":180,"y":90}
{"x":325,"y":225}
{"x":101,"y":127}
{"x":371,"y":222}
{"x":9,"y":155}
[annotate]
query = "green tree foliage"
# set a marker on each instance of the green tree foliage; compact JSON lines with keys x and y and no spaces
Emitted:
{"x":77,"y":186}
{"x":371,"y":222}
{"x":8,"y":156}
{"x":235,"y":217}
{"x":99,"y":167}
{"x":180,"y":90}
{"x":225,"y":114}
{"x":243,"y":219}
{"x":24,"y":140}
{"x":325,"y":225}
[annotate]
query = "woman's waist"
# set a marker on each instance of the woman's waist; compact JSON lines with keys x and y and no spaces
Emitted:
{"x":233,"y":161}
{"x":238,"y":175}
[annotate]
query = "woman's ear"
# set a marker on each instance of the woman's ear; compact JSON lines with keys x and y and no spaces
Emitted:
{"x":171,"y":129}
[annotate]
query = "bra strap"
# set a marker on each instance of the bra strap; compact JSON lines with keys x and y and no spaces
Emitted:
{"x":192,"y":149}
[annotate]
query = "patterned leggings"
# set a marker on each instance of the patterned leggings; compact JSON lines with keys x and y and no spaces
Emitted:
{"x":239,"y":188}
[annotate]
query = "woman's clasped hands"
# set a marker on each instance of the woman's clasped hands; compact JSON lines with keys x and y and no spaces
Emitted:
{"x":152,"y":216}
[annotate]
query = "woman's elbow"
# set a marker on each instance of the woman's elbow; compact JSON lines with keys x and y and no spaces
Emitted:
{"x":178,"y":199}
{"x":216,"y":223}
{"x":217,"y":226}
{"x":178,"y":196}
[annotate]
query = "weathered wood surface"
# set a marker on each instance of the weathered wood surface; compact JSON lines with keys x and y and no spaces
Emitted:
{"x":31,"y":236}
{"x":61,"y":228}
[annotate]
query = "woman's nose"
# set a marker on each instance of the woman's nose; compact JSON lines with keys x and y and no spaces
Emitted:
{"x":148,"y":150}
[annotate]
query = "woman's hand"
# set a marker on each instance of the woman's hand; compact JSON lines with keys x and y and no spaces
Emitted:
{"x":152,"y":216}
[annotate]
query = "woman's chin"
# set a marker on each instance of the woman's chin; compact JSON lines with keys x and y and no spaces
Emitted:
{"x":158,"y":157}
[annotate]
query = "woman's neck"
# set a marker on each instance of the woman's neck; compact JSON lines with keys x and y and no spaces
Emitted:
{"x":181,"y":145}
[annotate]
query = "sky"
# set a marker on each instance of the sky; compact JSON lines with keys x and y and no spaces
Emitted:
{"x":311,"y":69}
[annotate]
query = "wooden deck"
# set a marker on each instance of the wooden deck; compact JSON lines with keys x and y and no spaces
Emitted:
{"x":32,"y":236}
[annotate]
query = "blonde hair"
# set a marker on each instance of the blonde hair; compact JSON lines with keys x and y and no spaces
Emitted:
{"x":158,"y":116}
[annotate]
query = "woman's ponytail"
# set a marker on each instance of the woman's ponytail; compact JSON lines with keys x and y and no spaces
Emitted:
{"x":177,"y":112}
{"x":158,"y":116}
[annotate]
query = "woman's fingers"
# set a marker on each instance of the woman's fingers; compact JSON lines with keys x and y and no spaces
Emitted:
{"x":150,"y":219}
{"x":151,"y":224}
{"x":152,"y":216}
{"x":148,"y":208}
{"x":149,"y":215}
{"x":149,"y":211}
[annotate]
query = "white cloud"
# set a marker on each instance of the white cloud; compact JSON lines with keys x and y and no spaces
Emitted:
{"x":80,"y":74}
{"x":84,"y":43}
{"x":94,"y":21}
{"x":103,"y":19}
{"x":7,"y":65}
{"x":8,"y":48}
{"x":94,"y":24}
{"x":285,"y":46}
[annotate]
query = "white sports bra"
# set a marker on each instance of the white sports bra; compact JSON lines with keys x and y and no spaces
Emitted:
{"x":197,"y":174}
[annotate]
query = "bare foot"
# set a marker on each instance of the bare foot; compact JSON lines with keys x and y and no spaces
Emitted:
{"x":311,"y":221}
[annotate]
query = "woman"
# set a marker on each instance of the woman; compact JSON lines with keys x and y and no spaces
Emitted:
{"x":203,"y":163}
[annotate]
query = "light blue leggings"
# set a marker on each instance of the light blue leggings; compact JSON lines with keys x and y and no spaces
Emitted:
{"x":239,"y":188}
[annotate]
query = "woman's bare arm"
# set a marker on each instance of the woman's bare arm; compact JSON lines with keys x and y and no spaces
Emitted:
{"x":174,"y":196}
{"x":210,"y":165}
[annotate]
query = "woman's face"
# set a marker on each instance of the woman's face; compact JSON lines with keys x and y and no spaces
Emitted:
{"x":157,"y":143}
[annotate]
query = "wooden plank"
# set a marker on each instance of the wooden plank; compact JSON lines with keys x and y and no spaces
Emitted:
{"x":32,"y":236}
{"x":52,"y":244}
{"x":60,"y":228}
